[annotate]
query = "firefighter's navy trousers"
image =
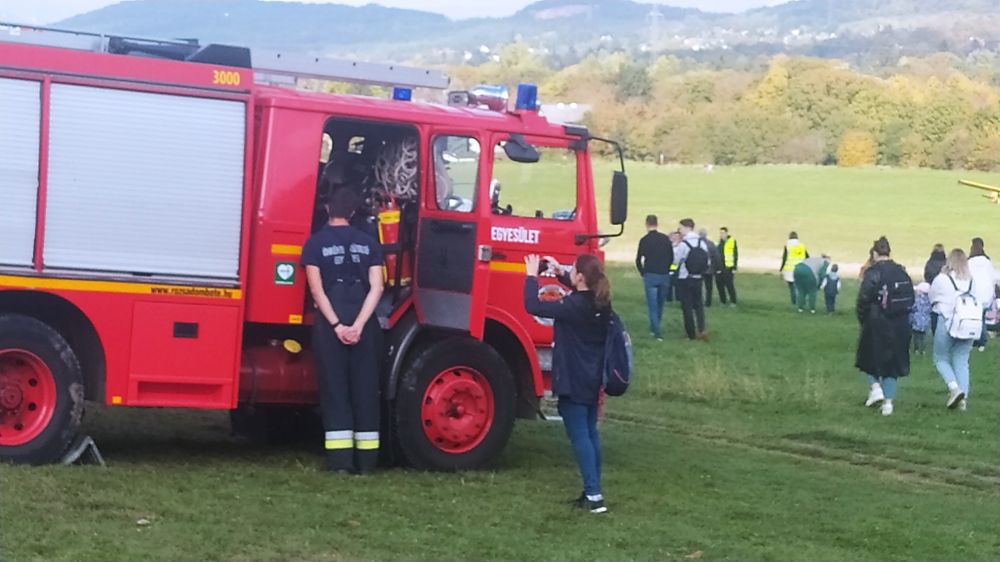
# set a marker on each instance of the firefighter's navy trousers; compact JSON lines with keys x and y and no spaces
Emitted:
{"x":348,"y":380}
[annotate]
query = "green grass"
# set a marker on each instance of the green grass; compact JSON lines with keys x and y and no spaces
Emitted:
{"x":835,"y":211}
{"x":753,"y":446}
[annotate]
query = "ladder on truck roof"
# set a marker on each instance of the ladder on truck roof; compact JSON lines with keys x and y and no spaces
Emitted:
{"x":266,"y":65}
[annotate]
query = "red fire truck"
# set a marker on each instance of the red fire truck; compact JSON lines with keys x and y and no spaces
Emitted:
{"x":154,"y":200}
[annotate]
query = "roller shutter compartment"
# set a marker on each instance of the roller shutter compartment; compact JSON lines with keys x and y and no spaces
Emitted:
{"x":144,"y":183}
{"x":20,"y":126}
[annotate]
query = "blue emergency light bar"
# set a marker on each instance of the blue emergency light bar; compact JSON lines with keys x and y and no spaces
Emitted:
{"x":402,"y":94}
{"x":527,"y":97}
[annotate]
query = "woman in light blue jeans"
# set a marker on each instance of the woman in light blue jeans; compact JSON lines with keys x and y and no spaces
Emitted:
{"x":951,"y":355}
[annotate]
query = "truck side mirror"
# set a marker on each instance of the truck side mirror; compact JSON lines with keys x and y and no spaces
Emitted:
{"x":518,"y":150}
{"x":619,"y":198}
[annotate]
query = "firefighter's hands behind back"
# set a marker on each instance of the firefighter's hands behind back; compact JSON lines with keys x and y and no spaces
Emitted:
{"x":348,"y":335}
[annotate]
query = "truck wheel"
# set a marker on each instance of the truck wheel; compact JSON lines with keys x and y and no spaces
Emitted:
{"x":41,"y":391}
{"x":455,"y":406}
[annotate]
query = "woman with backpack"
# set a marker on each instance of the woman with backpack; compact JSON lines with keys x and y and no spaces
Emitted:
{"x":884,"y":302}
{"x":580,"y":330}
{"x":951,"y":289}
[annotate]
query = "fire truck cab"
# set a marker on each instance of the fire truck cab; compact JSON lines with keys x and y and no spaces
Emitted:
{"x":156,"y":197}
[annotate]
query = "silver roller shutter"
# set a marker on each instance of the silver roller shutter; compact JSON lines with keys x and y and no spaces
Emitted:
{"x":144,"y":183}
{"x":20,"y":126}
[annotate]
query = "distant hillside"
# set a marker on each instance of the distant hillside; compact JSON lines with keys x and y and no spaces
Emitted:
{"x":566,"y":30}
{"x":310,"y":27}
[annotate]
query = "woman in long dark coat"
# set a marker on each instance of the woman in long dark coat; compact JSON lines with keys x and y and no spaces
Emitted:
{"x":884,"y":300}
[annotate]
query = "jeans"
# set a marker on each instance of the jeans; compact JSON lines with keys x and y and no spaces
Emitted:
{"x":692,"y":307}
{"x":986,"y":334}
{"x":831,"y":303}
{"x":951,"y":357}
{"x":888,"y":385}
{"x":581,"y":427}
{"x":657,"y":286}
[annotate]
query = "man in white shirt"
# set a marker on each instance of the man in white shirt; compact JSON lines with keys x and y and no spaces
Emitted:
{"x":689,"y":279}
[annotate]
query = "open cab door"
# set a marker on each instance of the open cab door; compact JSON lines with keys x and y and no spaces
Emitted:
{"x":453,"y":252}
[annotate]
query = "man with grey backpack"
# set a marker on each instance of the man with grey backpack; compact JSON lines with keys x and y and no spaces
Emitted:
{"x":960,"y":324}
{"x":692,"y":261}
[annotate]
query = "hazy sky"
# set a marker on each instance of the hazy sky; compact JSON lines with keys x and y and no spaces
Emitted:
{"x":46,"y":11}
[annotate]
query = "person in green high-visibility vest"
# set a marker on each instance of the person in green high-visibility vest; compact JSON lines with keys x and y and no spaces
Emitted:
{"x":726,"y":279}
{"x":795,"y":252}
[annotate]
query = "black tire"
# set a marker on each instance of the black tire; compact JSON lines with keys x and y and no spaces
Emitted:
{"x":416,"y":447}
{"x":28,"y":334}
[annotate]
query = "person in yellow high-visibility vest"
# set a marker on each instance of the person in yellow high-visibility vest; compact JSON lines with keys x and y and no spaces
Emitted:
{"x":726,"y":279}
{"x":675,"y":240}
{"x":795,"y":252}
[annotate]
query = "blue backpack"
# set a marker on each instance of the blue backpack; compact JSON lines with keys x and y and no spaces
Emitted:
{"x":618,"y":366}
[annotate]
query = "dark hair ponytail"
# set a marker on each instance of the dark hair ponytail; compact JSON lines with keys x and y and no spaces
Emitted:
{"x":593,"y":274}
{"x":881,"y":247}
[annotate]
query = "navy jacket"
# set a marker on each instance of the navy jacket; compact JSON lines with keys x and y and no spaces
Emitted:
{"x":578,"y":342}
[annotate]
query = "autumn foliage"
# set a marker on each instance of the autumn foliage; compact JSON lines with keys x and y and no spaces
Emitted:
{"x":938,"y":112}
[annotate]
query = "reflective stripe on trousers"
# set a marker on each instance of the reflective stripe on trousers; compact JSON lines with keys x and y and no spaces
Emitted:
{"x":339,"y":440}
{"x":366,"y":440}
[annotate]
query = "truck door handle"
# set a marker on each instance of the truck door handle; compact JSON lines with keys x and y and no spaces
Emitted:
{"x":452,"y":226}
{"x":186,"y":330}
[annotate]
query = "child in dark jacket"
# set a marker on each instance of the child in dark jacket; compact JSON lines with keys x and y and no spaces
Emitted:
{"x":580,"y":329}
{"x":831,"y":288}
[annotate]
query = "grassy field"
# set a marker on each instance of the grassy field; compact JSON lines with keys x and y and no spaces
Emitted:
{"x":752,"y":446}
{"x":835,"y":211}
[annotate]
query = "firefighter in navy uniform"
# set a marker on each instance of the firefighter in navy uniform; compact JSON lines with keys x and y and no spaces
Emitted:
{"x":344,"y":270}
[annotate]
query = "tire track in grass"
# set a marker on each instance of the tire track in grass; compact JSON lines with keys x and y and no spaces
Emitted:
{"x":892,"y":466}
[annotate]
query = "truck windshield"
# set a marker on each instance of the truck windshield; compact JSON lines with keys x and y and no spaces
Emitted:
{"x":545,"y":189}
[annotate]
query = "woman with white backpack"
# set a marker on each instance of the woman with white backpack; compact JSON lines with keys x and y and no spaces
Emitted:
{"x":959,"y":326}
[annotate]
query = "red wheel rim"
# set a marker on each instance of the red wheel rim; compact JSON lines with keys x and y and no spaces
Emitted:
{"x":457,"y":411}
{"x":27,"y":396}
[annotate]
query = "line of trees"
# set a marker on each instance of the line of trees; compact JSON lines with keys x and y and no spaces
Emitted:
{"x":939,"y":112}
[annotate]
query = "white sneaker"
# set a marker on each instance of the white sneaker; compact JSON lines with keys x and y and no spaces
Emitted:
{"x":963,"y":405}
{"x":887,"y":408}
{"x":954,"y":397}
{"x":875,"y":397}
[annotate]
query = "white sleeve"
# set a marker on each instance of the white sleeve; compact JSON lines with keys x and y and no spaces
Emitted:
{"x":680,"y":252}
{"x":938,"y":288}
